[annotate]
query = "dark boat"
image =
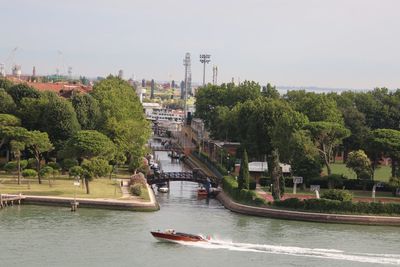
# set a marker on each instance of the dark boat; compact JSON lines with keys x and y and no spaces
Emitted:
{"x":172,"y":236}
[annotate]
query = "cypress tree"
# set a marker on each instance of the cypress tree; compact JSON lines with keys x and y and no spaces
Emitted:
{"x":244,"y":175}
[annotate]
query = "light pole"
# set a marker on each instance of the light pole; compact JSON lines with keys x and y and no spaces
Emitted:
{"x":205,"y":59}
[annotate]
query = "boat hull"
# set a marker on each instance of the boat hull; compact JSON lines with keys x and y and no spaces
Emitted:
{"x":178,"y":237}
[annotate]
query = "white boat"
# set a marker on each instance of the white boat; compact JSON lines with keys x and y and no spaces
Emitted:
{"x":163,"y":189}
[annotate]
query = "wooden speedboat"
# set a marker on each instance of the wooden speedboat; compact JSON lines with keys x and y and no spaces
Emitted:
{"x":172,"y":236}
{"x":202,"y":192}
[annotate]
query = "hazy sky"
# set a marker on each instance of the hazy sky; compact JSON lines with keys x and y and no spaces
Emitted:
{"x":332,"y":43}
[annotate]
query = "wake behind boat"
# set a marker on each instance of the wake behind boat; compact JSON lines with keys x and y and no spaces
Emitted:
{"x":172,"y":236}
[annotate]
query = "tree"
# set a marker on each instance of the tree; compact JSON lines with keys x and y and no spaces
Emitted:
{"x":244,"y":175}
{"x":387,"y":141}
{"x":87,"y":144}
{"x":38,"y":142}
{"x":317,"y":107}
{"x":326,"y":136}
{"x":59,"y":120}
{"x":276,"y":174}
{"x":7,"y":103}
{"x":46,"y":172}
{"x":16,"y":148}
{"x":95,"y":167}
{"x":87,"y":110}
{"x":359,"y":162}
{"x":270,"y":91}
{"x":20,"y":91}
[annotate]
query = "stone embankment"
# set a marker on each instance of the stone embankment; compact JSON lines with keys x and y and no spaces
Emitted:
{"x":306,"y":216}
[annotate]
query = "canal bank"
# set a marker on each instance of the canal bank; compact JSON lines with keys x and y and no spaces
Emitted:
{"x":306,"y":216}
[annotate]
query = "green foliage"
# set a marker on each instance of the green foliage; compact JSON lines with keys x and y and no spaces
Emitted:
{"x":359,"y":162}
{"x":388,"y":142}
{"x":341,"y":195}
{"x":29,"y":173}
{"x":87,"y":144}
{"x":336,"y":206}
{"x":76,"y":171}
{"x":59,"y":120}
{"x":244,"y":175}
{"x":87,"y":110}
{"x":317,"y":107}
{"x":10,"y":166}
{"x":7,"y":103}
{"x":334,"y":180}
{"x":9,"y":120}
{"x":327,"y":136}
{"x":230,"y":186}
{"x":136,"y":189}
{"x":46,"y":171}
{"x":20,"y":91}
{"x":67,"y":164}
{"x":97,"y":167}
{"x":54,"y":165}
{"x":31,"y":163}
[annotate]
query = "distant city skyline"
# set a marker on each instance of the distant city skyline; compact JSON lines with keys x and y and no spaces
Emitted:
{"x":309,"y":43}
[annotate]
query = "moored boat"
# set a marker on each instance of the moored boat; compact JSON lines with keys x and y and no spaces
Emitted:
{"x":172,"y":236}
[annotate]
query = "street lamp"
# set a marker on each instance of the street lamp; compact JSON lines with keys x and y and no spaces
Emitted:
{"x":205,"y":59}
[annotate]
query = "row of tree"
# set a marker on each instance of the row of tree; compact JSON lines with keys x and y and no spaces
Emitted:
{"x":106,"y":126}
{"x":304,"y":129}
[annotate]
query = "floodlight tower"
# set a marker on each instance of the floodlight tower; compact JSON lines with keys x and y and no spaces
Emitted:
{"x":215,"y":74}
{"x":188,"y":73}
{"x":205,"y":59}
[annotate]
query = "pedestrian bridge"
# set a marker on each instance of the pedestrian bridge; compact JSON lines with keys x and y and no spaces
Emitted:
{"x":196,"y":177}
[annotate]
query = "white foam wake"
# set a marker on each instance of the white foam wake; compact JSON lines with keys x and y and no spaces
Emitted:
{"x":333,"y":254}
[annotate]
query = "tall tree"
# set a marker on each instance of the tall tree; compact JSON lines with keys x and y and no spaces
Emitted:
{"x":326,"y":136}
{"x":16,"y":149}
{"x":244,"y":175}
{"x":388,"y":143}
{"x":38,"y":142}
{"x":87,"y":110}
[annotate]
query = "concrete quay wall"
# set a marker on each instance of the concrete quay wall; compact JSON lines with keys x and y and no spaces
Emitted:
{"x":306,"y":216}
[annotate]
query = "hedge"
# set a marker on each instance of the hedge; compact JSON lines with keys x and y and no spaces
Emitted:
{"x":336,"y":206}
{"x":245,"y":196}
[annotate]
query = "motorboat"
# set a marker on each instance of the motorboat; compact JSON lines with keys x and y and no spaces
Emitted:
{"x":163,"y":189}
{"x":171,"y":236}
{"x":202,"y":192}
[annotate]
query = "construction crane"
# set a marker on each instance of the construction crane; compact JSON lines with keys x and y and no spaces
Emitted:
{"x":8,"y":62}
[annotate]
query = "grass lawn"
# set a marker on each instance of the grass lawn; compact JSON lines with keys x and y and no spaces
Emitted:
{"x":382,"y":173}
{"x":61,"y":186}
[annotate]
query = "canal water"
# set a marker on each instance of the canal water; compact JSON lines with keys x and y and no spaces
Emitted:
{"x":53,"y":236}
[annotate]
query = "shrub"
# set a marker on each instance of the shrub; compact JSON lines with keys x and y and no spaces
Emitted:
{"x":29,"y":173}
{"x":341,"y":195}
{"x":138,"y":179}
{"x":230,"y":186}
{"x":336,"y":206}
{"x":46,"y":171}
{"x":136,"y":189}
{"x":11,"y":166}
{"x":293,"y":203}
